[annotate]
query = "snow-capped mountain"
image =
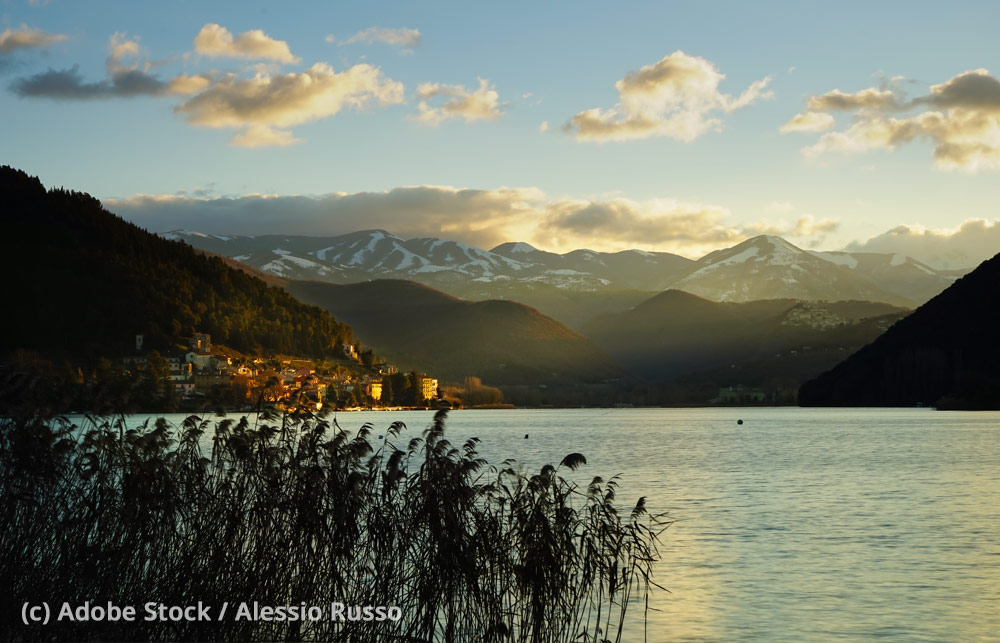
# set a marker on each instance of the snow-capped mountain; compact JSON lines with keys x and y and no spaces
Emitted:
{"x":768,"y":267}
{"x":895,"y":273}
{"x":375,"y":254}
{"x":637,"y":269}
{"x":763,"y":267}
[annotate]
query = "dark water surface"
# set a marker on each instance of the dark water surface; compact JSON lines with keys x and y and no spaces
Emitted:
{"x":801,"y":524}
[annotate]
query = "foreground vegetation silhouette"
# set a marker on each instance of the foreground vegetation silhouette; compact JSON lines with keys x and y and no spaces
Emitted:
{"x":291,"y":509}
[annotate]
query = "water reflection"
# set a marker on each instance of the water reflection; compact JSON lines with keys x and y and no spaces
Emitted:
{"x":800,"y":524}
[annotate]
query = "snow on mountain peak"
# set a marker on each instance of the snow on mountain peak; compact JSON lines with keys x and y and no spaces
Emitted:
{"x":779,"y":244}
{"x":522,"y":248}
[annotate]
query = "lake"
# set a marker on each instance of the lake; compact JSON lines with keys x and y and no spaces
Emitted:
{"x":799,"y":524}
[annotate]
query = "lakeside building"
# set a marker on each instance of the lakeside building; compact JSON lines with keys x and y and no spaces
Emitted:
{"x":428,"y":388}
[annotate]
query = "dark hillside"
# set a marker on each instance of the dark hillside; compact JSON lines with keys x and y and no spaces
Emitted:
{"x":945,"y":353}
{"x":82,"y":283}
{"x":500,"y":341}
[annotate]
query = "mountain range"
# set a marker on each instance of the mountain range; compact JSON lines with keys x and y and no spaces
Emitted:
{"x":580,"y":285}
{"x":757,"y":317}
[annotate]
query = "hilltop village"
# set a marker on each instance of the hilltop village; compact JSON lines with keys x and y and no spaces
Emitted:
{"x":202,"y":374}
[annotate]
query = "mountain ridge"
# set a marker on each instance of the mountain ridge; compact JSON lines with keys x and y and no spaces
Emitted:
{"x":580,"y":284}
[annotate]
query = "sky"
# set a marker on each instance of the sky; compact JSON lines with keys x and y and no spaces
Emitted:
{"x":671,"y":126}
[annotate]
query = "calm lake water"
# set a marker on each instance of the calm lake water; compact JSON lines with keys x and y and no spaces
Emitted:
{"x":801,"y":524}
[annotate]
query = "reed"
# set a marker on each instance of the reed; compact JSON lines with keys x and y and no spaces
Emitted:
{"x":290,"y":509}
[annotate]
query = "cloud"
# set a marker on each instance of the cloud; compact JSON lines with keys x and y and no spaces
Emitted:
{"x":481,"y":217}
{"x":484,"y":218}
{"x":126,"y":78}
{"x":806,"y":226}
{"x":677,"y":97}
{"x":971,"y":90}
{"x":216,"y":41}
{"x":12,"y":40}
{"x":285,"y":100}
{"x":479,"y":104}
{"x":262,"y":107}
{"x":263,"y":136}
{"x":871,"y":98}
{"x":809,"y":122}
{"x":656,"y":223}
{"x":963,"y":127}
{"x":404,"y":38}
{"x":971,"y":243}
{"x":543,"y":127}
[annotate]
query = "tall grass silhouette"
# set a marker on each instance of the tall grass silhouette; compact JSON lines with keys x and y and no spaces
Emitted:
{"x":291,"y":509}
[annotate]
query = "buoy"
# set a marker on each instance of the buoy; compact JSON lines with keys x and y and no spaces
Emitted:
{"x":525,"y":436}
{"x":739,"y":421}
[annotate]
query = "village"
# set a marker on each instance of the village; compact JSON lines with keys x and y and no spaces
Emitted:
{"x":216,"y":375}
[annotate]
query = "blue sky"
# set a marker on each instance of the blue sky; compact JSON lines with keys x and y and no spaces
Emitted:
{"x":662,"y":121}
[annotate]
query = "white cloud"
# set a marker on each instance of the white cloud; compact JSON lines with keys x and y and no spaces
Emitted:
{"x":479,"y":104}
{"x":25,"y":37}
{"x":971,"y":243}
{"x":285,"y":100}
{"x":677,"y":97}
{"x":544,"y":127}
{"x":216,"y":41}
{"x":404,"y":38}
{"x":964,"y":129}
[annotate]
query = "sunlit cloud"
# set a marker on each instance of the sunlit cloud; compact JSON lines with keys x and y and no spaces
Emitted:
{"x":482,"y":103}
{"x":870,"y":99}
{"x":25,"y":37}
{"x":215,"y":41}
{"x":677,"y":97}
{"x":404,"y":38}
{"x":285,"y":100}
{"x":809,"y":122}
{"x":484,"y":218}
{"x":964,"y":129}
{"x":127,"y":75}
{"x":263,"y":136}
{"x":262,"y":106}
{"x":971,"y":243}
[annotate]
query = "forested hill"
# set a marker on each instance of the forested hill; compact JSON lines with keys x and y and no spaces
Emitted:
{"x":503,"y":342}
{"x":81,"y":283}
{"x":945,"y":353}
